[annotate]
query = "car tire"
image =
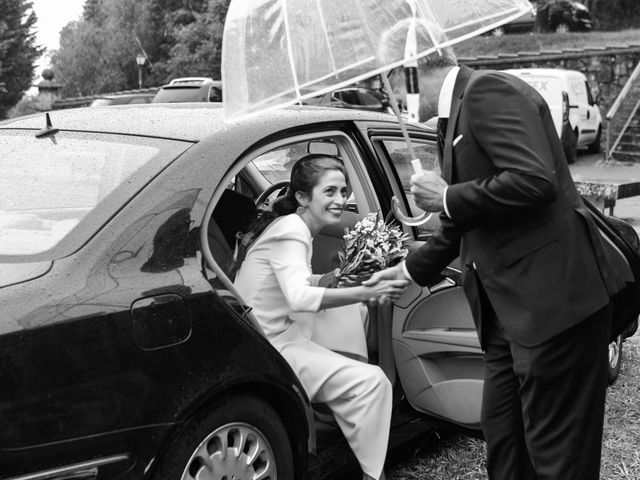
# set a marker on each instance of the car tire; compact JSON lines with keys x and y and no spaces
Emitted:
{"x":615,"y":359}
{"x":244,"y":428}
{"x":595,"y":146}
{"x":562,"y":28}
{"x":498,"y":32}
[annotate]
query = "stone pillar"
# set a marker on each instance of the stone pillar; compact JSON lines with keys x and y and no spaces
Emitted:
{"x":48,"y":90}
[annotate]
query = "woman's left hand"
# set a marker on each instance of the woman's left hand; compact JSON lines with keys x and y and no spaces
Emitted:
{"x":328,"y":279}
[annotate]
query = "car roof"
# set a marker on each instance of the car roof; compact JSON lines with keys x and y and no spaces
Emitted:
{"x":187,"y":121}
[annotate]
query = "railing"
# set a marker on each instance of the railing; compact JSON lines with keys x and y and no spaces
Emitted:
{"x":616,"y":106}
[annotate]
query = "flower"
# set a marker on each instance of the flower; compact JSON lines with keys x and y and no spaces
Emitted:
{"x":372,"y":245}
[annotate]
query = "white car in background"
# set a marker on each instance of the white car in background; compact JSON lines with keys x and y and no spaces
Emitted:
{"x":572,"y":106}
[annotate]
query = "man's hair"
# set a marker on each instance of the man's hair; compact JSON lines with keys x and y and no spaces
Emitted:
{"x":393,"y":41}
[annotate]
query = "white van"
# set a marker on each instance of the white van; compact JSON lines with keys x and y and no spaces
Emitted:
{"x":572,"y":106}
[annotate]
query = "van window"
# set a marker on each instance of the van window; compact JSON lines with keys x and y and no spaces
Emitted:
{"x":579,"y":90}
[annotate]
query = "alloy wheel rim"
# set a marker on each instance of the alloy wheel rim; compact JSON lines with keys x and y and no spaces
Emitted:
{"x":235,"y":451}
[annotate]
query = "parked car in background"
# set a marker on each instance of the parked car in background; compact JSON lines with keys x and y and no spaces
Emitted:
{"x":562,"y":16}
{"x":575,"y":113}
{"x":523,"y":24}
{"x":190,"y":89}
{"x":122,"y":99}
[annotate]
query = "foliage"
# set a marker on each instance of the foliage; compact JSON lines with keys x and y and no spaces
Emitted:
{"x":28,"y":105}
{"x":18,"y":51}
{"x":178,"y":37}
{"x":614,"y":14}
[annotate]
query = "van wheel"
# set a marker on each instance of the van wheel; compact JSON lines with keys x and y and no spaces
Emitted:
{"x":615,"y":359}
{"x":562,"y":28}
{"x":240,"y":437}
{"x":595,"y":146}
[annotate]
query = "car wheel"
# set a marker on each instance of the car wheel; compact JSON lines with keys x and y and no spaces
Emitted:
{"x":615,"y":359}
{"x":562,"y":28}
{"x":498,"y":32}
{"x":595,"y":146}
{"x":241,"y":437}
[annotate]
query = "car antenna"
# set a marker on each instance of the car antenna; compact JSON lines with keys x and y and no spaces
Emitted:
{"x":48,"y":129}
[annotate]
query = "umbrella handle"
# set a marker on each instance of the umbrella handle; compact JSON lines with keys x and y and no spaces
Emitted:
{"x":408,"y":221}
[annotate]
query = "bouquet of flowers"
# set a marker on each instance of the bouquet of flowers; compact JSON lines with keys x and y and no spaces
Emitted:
{"x":371,"y":246}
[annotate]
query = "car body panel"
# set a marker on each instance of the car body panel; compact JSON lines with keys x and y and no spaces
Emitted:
{"x":109,"y":347}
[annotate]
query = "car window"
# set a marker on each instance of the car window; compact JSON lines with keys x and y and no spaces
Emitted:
{"x":400,"y":161}
{"x":215,"y":94}
{"x":236,"y":209}
{"x":366,"y":98}
{"x":50,"y":185}
{"x":579,"y":90}
{"x":180,"y":94}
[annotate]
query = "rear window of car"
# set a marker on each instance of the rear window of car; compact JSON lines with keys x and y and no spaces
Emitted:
{"x":56,"y":191}
{"x":181,"y":94}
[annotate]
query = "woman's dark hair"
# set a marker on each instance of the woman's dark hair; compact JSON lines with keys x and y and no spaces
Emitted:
{"x":305,"y":175}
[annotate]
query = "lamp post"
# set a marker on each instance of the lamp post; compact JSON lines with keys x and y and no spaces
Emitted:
{"x":140,"y":60}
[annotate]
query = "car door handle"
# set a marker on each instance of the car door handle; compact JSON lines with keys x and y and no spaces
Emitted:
{"x":588,"y":114}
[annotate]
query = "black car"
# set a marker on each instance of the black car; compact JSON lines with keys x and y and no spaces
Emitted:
{"x":562,"y":16}
{"x":125,"y":350}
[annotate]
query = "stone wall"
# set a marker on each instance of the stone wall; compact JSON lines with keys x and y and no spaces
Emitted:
{"x":607,"y":69}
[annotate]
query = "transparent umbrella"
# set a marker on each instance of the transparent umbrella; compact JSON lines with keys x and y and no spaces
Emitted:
{"x":281,"y":52}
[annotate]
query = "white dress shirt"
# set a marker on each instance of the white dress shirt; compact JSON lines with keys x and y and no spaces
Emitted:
{"x":444,"y":110}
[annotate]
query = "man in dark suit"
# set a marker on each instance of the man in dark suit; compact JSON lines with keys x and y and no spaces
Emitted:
{"x":536,"y":273}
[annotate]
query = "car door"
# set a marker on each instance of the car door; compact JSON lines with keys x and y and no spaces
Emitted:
{"x":587,"y":117}
{"x":434,"y":342}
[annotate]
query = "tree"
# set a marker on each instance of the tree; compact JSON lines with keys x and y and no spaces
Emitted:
{"x":18,"y":51}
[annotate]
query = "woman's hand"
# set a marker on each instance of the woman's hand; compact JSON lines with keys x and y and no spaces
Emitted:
{"x":385,"y":291}
{"x":328,"y":279}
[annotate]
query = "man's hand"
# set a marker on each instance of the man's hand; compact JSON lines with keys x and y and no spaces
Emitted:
{"x":428,"y":189}
{"x":392,"y":273}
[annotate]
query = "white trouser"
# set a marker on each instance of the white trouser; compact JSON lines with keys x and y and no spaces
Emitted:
{"x":358,"y":394}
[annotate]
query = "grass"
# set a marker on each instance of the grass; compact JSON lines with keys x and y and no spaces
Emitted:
{"x":455,"y":456}
{"x":536,"y":42}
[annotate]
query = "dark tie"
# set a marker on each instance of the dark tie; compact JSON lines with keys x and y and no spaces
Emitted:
{"x":441,"y":129}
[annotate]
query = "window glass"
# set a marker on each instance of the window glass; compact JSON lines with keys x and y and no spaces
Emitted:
{"x":48,"y":187}
{"x":400,"y":158}
{"x":578,"y":87}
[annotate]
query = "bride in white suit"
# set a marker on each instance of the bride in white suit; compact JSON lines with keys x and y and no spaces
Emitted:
{"x":275,"y":279}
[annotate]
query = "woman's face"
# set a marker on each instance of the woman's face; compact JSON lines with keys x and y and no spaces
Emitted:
{"x":327,"y":201}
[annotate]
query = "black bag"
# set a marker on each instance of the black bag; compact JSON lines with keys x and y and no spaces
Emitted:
{"x":626,"y":303}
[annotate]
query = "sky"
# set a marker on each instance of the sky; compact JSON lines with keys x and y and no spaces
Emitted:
{"x":53,"y":15}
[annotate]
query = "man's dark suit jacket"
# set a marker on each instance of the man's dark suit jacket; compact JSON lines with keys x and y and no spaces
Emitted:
{"x":517,"y":221}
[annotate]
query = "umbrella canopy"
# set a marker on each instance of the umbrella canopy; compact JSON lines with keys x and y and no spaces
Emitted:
{"x":280,"y":52}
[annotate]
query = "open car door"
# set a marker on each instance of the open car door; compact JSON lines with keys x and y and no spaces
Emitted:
{"x":434,"y":342}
